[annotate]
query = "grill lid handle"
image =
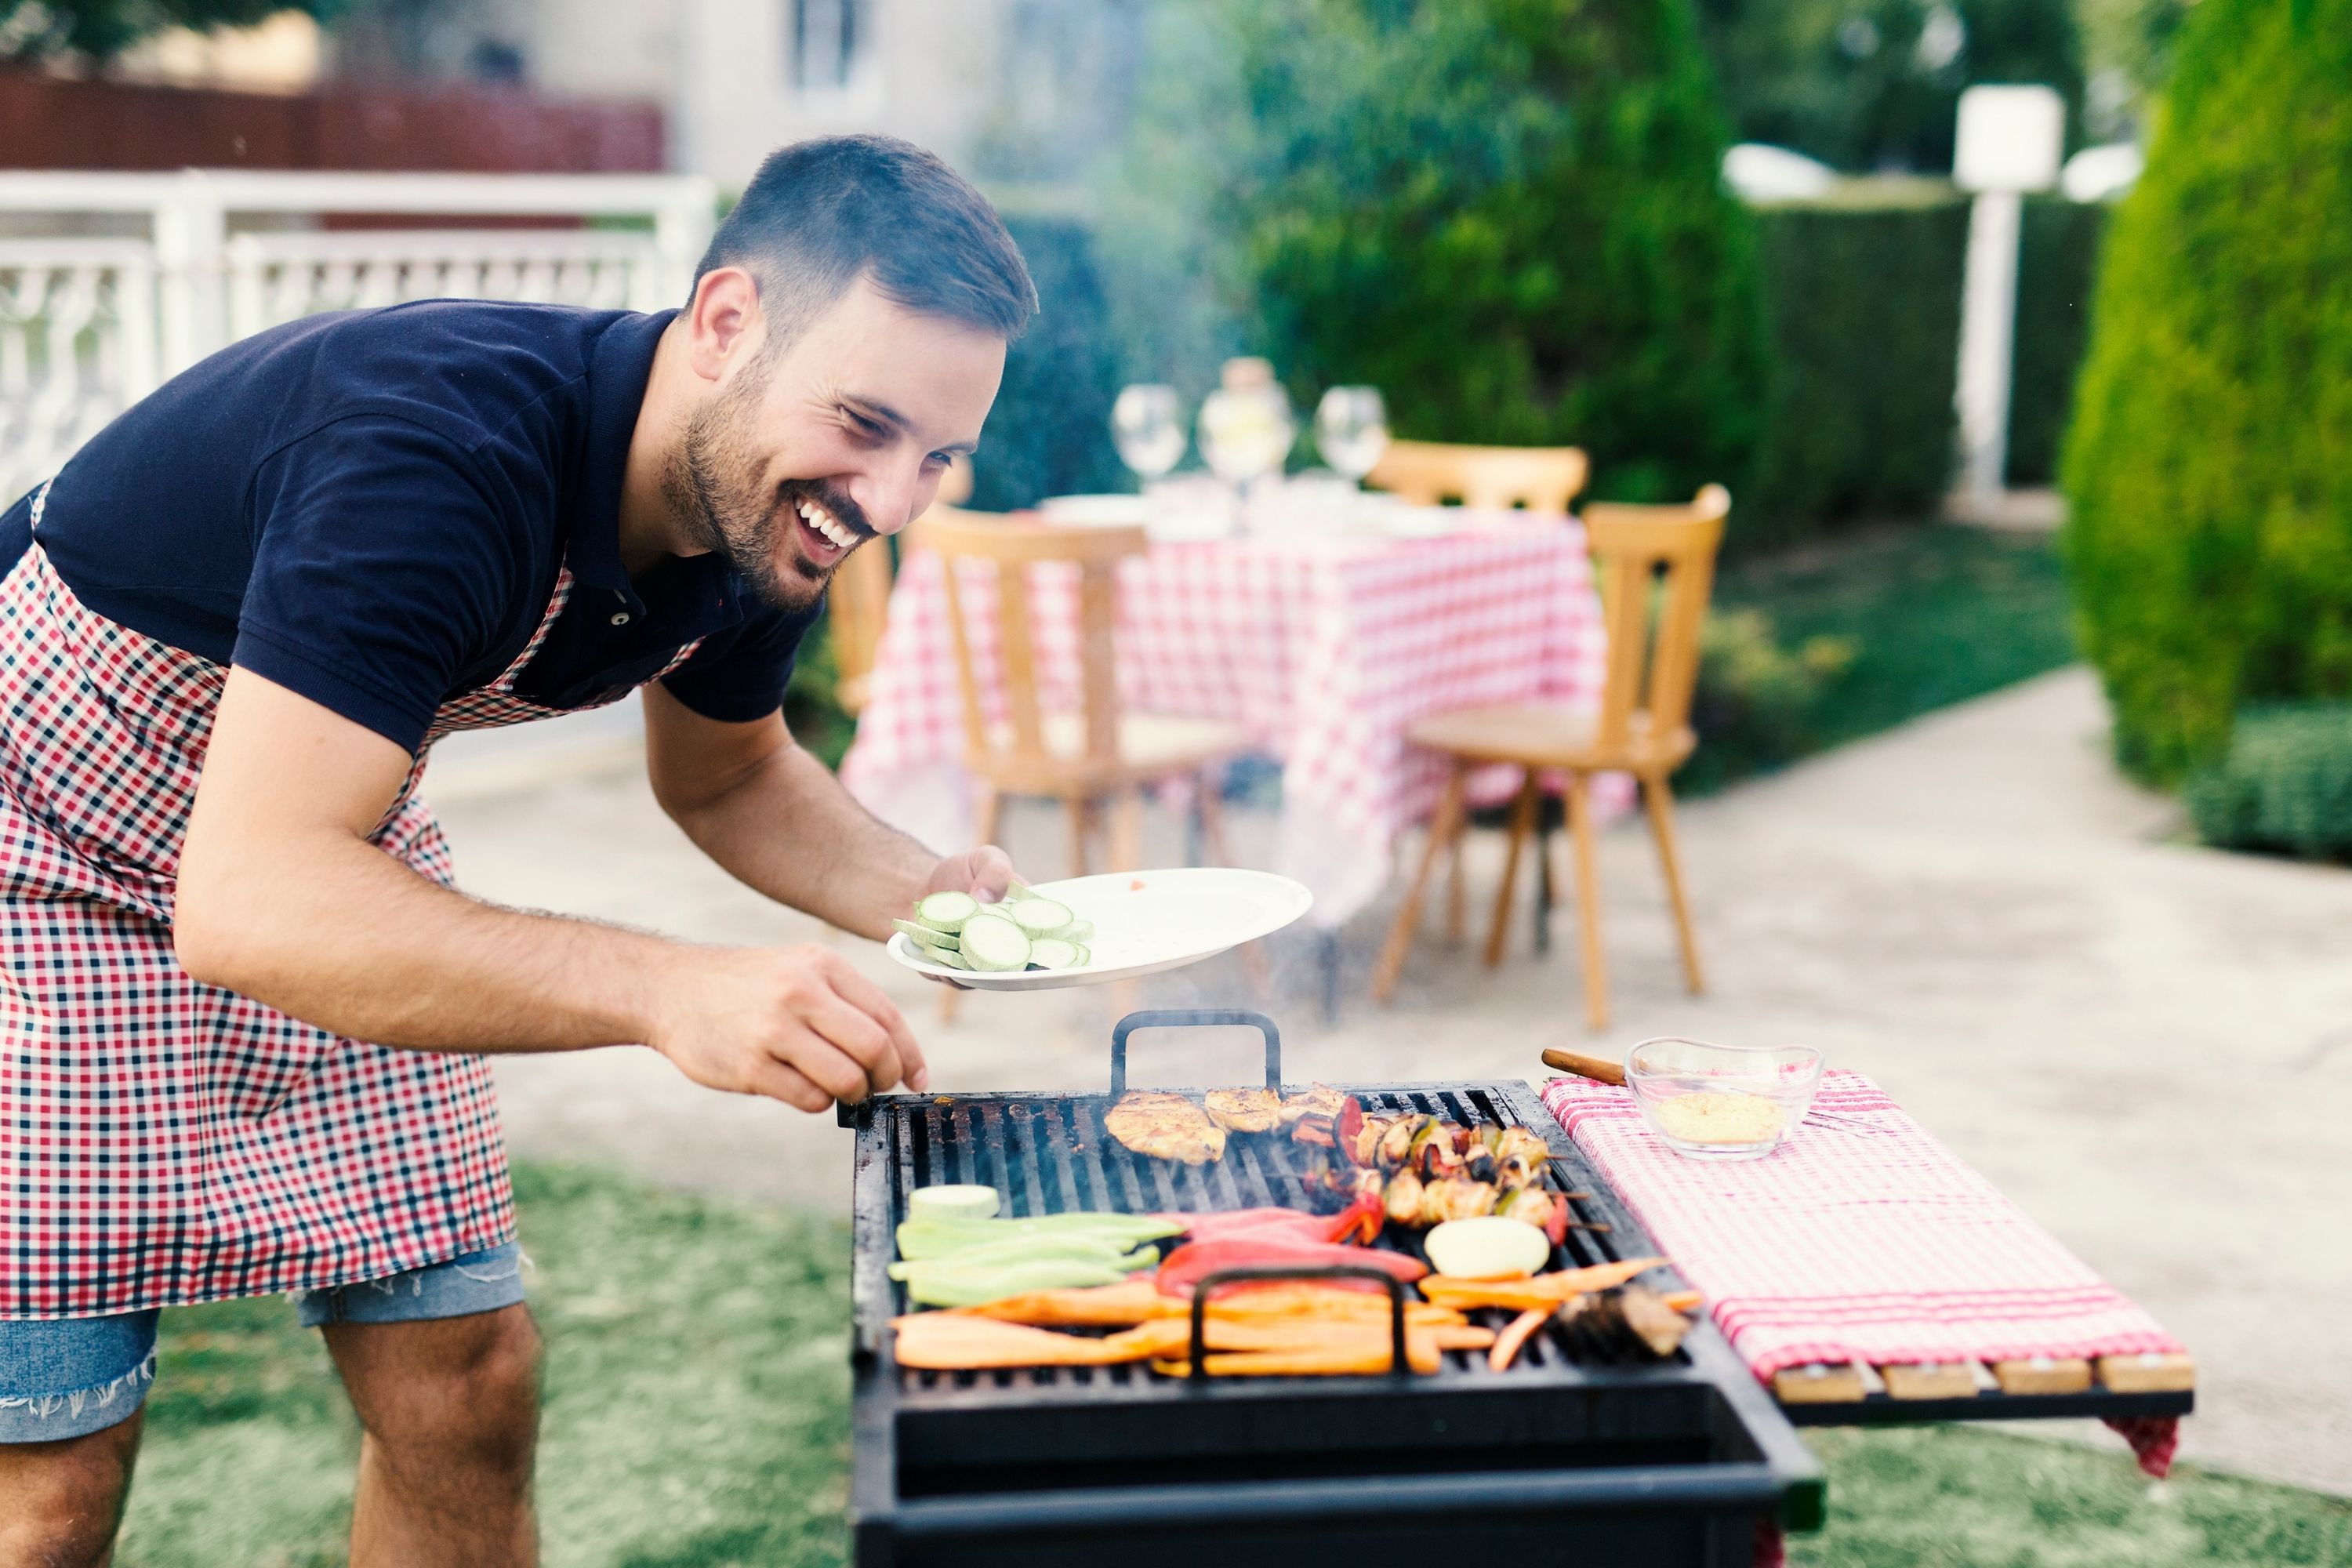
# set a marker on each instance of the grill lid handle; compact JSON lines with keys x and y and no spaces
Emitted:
{"x":1397,"y":1363}
{"x":1180,"y":1018}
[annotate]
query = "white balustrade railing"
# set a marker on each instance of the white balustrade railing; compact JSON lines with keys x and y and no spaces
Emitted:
{"x":78,"y":346}
{"x":89,"y":326}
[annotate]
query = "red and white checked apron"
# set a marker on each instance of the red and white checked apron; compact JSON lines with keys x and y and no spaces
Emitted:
{"x":166,"y":1142}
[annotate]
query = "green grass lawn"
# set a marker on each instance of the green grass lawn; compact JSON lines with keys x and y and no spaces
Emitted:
{"x":697,"y":1417}
{"x":1824,"y":645}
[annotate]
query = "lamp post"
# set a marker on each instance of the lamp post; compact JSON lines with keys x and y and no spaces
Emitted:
{"x":2010,"y":140}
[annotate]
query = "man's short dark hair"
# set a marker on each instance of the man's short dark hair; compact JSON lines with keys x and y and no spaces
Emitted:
{"x":819,"y":215}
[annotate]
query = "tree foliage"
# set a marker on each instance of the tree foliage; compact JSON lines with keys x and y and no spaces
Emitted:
{"x":1506,"y":214}
{"x":1876,"y":84}
{"x":2211,"y":540}
{"x":100,"y":29}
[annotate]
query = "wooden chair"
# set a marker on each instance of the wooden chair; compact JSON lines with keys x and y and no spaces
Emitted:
{"x":1643,"y":727}
{"x":857,"y":606}
{"x":1082,"y":757}
{"x":1428,"y":473}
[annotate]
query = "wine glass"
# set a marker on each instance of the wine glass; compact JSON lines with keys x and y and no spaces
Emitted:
{"x":1351,"y":429}
{"x":1147,"y":423}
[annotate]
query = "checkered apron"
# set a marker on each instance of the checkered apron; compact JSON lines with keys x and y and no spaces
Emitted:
{"x":166,"y":1142}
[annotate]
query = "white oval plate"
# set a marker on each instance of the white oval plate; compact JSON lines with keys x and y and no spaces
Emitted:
{"x":1146,"y":921}
{"x":1096,"y":510}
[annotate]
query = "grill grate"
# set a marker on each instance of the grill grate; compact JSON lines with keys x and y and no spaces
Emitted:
{"x":1049,"y":1155}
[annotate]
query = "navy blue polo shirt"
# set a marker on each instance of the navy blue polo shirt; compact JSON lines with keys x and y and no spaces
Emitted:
{"x":369,"y":508}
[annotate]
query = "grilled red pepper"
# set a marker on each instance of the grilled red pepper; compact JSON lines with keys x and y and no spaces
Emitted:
{"x":1195,"y":1260}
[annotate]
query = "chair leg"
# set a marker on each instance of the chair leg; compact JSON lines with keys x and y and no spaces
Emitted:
{"x":1457,"y":903}
{"x":1126,"y":831}
{"x":987,"y":815}
{"x":1081,"y":809}
{"x":1523,"y":823}
{"x":1445,"y":829}
{"x":1211,"y":812}
{"x":1660,"y":802}
{"x":1547,"y":885}
{"x":1209,"y":815}
{"x":1587,"y":902}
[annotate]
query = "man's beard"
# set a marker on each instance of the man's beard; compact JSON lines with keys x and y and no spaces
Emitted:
{"x":714,"y":487}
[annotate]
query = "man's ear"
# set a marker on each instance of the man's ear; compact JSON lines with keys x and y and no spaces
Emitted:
{"x":725,"y":325}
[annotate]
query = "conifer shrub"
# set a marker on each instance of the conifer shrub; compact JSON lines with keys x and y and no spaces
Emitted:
{"x":2285,"y":785}
{"x":2210,"y":545}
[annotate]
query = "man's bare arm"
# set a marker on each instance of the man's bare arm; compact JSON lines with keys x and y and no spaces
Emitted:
{"x":777,"y":819}
{"x":282,"y":897}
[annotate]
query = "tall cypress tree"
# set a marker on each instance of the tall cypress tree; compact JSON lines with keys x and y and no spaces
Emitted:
{"x":2210,"y":464}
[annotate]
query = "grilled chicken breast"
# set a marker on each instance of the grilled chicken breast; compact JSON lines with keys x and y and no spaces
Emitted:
{"x":1244,"y":1110}
{"x":1319,"y":1100}
{"x":1165,"y":1126}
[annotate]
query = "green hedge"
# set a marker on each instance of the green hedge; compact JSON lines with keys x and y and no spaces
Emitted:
{"x":2284,"y":785}
{"x":2057,"y":266}
{"x":1864,"y":306}
{"x":2211,"y":544}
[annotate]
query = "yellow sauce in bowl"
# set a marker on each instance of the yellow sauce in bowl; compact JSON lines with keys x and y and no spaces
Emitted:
{"x":1716,"y":1116}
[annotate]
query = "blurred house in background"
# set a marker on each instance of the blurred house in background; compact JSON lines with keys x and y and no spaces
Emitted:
{"x":1021,"y":92}
{"x":1015,"y":90}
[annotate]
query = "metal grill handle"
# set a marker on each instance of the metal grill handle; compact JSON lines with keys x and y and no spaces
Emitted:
{"x":1182,"y":1018}
{"x":1395,"y":1287}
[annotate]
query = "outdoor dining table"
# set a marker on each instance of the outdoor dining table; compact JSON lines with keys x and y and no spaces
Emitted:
{"x":1324,"y":643}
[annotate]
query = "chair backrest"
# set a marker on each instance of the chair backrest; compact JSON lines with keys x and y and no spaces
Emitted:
{"x":1654,"y":667}
{"x":1010,"y":547}
{"x":1426,"y":473}
{"x":857,"y":604}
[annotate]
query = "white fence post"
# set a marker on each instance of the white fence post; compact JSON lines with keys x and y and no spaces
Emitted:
{"x":2010,"y":139}
{"x":191,"y":236}
{"x":681,"y":234}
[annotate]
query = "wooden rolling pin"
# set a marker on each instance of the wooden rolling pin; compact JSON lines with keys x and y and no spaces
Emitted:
{"x":1598,"y":1067}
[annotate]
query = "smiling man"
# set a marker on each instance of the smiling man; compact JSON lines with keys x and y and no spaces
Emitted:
{"x":244,"y":1010}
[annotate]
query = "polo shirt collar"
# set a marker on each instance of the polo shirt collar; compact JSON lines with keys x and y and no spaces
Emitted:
{"x":619,"y":369}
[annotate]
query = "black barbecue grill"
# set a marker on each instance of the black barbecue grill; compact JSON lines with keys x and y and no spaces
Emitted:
{"x":1674,"y":1463}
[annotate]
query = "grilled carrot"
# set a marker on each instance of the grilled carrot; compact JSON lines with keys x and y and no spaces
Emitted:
{"x":1335,"y":1362}
{"x":1527,"y":1295}
{"x":1131,"y":1300}
{"x":1508,"y":1344}
{"x":949,"y":1341}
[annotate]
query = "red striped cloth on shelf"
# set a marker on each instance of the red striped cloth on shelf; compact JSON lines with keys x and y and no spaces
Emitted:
{"x":1868,"y":1242}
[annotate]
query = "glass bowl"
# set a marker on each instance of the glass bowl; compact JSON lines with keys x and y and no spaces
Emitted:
{"x":1722,"y":1102}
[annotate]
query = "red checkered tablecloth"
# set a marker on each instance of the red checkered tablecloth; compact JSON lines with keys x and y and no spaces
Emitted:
{"x":1866,"y":1242}
{"x":1324,"y":649}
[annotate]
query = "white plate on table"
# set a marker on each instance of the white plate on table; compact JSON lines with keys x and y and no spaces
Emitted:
{"x":1096,"y":510}
{"x":1145,"y":921}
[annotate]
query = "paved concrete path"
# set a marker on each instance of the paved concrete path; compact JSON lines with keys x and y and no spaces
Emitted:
{"x":2149,"y":1046}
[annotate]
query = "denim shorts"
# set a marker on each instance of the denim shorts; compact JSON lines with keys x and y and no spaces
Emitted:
{"x":67,"y":1377}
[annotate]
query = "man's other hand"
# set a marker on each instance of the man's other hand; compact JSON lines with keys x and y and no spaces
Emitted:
{"x":795,"y":1024}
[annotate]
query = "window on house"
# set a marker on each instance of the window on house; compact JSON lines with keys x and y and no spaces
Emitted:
{"x":828,"y":38}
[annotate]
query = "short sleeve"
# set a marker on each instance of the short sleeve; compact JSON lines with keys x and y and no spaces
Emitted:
{"x":385,"y":572}
{"x":739,"y":674}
